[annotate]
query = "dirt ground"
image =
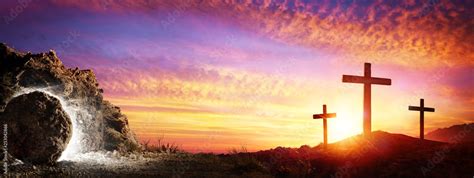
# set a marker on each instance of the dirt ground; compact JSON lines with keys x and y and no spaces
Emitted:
{"x":384,"y":155}
{"x":144,"y":165}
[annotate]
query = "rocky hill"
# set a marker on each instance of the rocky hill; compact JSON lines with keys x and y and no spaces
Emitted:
{"x":98,"y":125}
{"x":380,"y":155}
{"x":453,"y":134}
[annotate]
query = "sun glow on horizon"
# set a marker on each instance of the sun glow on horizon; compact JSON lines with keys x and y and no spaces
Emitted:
{"x":348,"y":121}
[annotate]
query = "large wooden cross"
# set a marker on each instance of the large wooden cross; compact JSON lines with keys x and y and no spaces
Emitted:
{"x":367,"y":80}
{"x":325,"y":116}
{"x":422,"y":110}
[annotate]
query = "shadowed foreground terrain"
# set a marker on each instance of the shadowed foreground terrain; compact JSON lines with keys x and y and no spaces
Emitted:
{"x":381,"y":155}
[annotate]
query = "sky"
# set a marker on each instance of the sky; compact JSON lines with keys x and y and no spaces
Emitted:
{"x":211,"y":76}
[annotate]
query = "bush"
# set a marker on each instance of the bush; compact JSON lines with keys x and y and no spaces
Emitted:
{"x":161,"y":147}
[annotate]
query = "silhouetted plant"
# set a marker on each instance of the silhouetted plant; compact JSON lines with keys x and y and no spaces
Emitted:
{"x":160,"y":146}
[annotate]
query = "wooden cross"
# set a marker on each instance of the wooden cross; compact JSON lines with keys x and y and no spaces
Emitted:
{"x":325,"y":116}
{"x":422,"y":110}
{"x":367,"y":80}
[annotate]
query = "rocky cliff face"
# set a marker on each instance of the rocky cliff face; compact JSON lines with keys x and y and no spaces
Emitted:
{"x":98,"y":125}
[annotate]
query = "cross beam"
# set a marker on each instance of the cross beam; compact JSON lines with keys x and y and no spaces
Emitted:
{"x":422,"y":110}
{"x":325,"y":116}
{"x":367,"y":80}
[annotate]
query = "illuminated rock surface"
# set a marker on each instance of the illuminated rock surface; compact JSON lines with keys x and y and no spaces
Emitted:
{"x":38,"y":128}
{"x":99,"y":125}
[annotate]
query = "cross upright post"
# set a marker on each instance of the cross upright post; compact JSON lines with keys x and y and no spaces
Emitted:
{"x":422,"y":110}
{"x":368,"y":81}
{"x":325,"y":116}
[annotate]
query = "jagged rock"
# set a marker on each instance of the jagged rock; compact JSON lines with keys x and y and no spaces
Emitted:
{"x":38,"y":128}
{"x":118,"y":134}
{"x":79,"y":88}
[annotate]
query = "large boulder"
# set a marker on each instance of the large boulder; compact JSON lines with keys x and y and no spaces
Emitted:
{"x":102,"y":125}
{"x":38,"y":128}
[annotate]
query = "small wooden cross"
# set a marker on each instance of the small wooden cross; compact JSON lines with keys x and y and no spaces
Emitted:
{"x":325,"y":116}
{"x":367,"y":80}
{"x":422,"y":110}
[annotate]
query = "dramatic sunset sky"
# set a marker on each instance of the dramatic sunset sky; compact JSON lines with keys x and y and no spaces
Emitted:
{"x":216,"y":75}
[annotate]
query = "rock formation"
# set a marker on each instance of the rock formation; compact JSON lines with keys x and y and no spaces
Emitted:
{"x":103,"y":126}
{"x":453,"y":134}
{"x":38,"y":128}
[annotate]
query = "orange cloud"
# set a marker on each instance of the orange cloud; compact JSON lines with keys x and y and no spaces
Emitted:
{"x":411,"y":33}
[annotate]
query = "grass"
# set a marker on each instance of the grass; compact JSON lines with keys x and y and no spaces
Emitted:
{"x":244,"y":163}
{"x":242,"y":149}
{"x":161,"y":146}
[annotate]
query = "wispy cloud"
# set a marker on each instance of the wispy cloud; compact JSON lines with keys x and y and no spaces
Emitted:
{"x":410,"y":33}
